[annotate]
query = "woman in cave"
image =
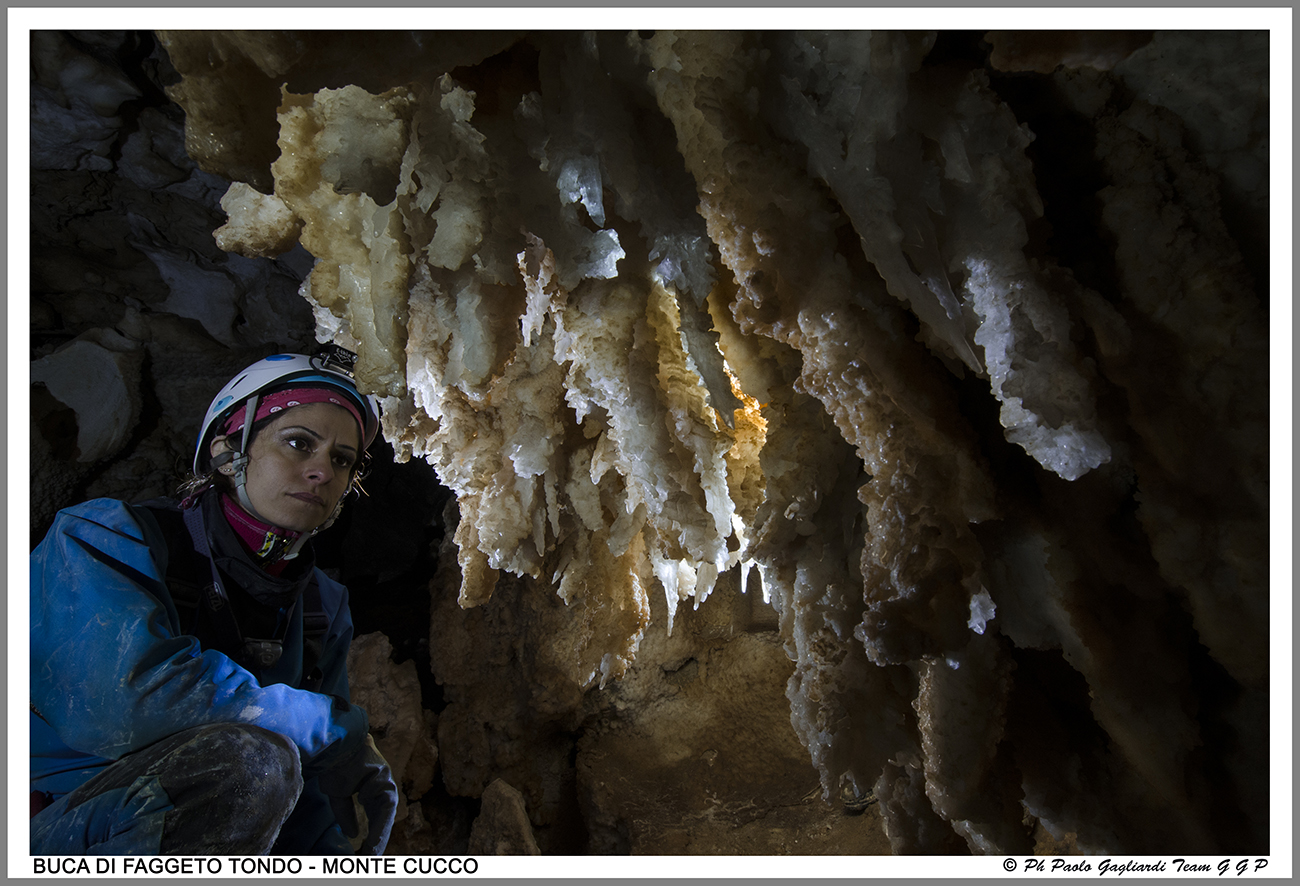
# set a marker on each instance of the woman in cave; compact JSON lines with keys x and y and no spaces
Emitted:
{"x":189,"y":662}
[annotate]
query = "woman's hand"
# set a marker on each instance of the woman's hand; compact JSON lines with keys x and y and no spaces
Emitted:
{"x":365,"y":774}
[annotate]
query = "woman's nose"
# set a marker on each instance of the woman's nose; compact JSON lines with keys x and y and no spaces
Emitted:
{"x":320,"y":469}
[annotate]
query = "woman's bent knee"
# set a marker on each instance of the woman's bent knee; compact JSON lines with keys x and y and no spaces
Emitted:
{"x":232,"y":787}
{"x":220,"y":788}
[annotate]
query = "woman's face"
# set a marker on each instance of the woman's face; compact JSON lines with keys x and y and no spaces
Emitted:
{"x":299,"y":464}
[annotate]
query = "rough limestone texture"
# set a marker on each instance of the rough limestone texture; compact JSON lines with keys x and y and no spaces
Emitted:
{"x":502,"y":826}
{"x":693,"y":753}
{"x":137,"y":317}
{"x":859,"y":440}
{"x":390,"y":695}
{"x":100,"y":383}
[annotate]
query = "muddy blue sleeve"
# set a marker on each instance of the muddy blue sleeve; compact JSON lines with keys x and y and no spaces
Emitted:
{"x":111,"y":672}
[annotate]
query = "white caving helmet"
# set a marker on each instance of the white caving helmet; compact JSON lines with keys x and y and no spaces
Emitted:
{"x":329,"y":367}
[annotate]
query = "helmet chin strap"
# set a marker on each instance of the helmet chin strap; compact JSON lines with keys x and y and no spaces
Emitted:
{"x":297,"y":545}
{"x":240,"y":462}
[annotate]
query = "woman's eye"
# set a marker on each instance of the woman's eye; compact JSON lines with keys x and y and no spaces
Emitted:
{"x":299,"y":443}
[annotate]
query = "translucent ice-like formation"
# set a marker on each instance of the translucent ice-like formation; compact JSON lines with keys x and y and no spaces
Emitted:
{"x":658,"y":306}
{"x":877,"y":126}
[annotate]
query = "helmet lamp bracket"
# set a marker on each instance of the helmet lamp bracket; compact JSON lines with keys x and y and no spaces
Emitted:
{"x":337,"y":358}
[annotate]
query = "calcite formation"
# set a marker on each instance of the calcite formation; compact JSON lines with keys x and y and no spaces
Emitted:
{"x":785,"y":307}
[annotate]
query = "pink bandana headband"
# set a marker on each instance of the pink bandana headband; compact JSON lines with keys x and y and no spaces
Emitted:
{"x":281,"y":400}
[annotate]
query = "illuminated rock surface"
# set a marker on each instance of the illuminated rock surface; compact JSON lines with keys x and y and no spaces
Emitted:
{"x":390,"y":694}
{"x":502,"y":827}
{"x":834,"y":420}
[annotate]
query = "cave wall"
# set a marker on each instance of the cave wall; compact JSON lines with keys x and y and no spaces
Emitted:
{"x":844,"y":442}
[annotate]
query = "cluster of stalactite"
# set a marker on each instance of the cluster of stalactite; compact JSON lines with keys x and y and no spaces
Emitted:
{"x":662,"y":305}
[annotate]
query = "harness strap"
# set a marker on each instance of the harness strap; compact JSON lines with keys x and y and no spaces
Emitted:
{"x":190,"y":590}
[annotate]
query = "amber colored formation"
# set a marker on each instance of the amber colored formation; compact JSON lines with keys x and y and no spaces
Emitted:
{"x":964,"y":370}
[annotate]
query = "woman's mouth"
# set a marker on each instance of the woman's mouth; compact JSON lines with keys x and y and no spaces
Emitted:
{"x":308,"y":497}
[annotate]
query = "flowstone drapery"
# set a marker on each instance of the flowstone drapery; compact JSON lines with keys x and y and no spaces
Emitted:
{"x":659,"y":306}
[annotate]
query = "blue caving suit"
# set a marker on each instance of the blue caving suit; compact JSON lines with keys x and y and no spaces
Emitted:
{"x":112,"y":672}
